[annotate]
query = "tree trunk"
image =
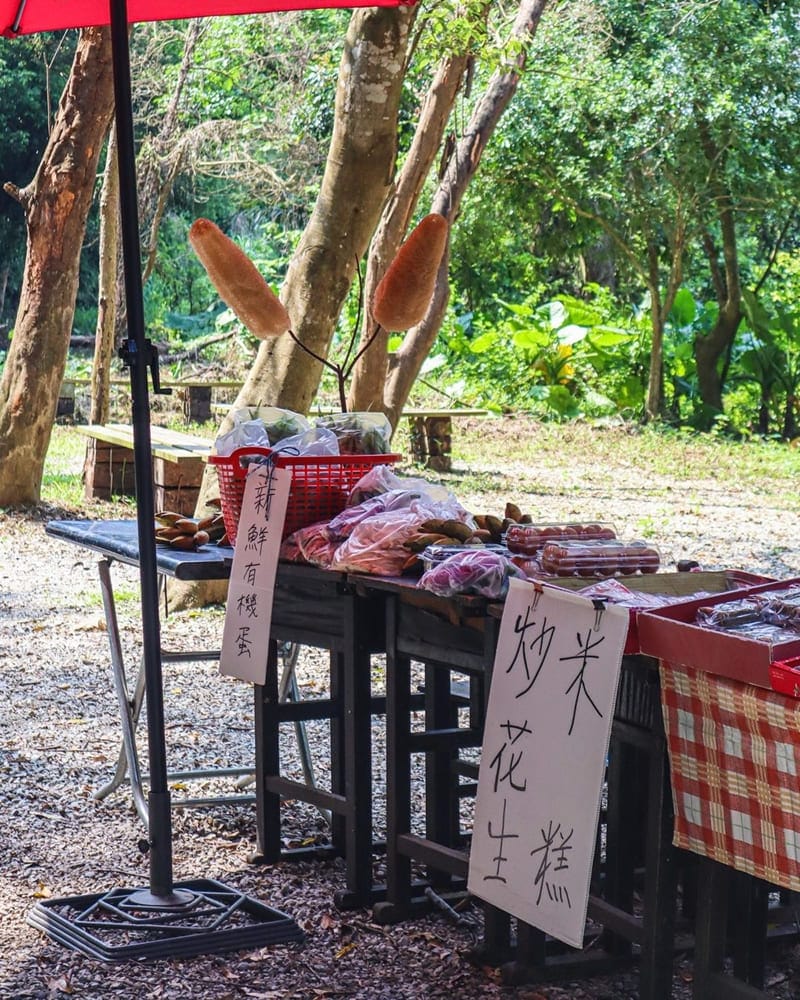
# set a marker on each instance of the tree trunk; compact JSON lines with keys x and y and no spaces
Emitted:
{"x":56,"y":204}
{"x":107,"y":291}
{"x":358,"y":173}
{"x":459,"y":171}
{"x":710,"y":348}
{"x":369,"y":374}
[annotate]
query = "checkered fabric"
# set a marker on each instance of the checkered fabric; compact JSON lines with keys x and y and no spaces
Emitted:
{"x":734,"y":754}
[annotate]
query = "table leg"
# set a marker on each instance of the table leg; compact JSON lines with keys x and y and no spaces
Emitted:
{"x":441,"y":801}
{"x":267,"y":749}
{"x":357,"y":758}
{"x":398,"y":776}
{"x":336,"y":687}
{"x":128,"y":709}
{"x":658,"y":922}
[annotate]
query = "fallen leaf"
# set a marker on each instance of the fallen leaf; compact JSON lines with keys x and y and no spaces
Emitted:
{"x":60,"y":985}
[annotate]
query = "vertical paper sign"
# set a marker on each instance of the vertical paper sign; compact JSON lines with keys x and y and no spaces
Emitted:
{"x":543,"y":758}
{"x":255,"y":562}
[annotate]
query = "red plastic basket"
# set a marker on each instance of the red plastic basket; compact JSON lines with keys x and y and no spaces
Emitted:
{"x":320,"y":486}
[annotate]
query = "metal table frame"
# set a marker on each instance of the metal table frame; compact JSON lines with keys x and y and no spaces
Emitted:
{"x":116,"y":542}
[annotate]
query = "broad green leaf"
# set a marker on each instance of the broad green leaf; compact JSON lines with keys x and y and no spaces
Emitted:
{"x":608,"y":336}
{"x":484,"y":342}
{"x":531,"y":339}
{"x":581,"y":313}
{"x":684,"y":308}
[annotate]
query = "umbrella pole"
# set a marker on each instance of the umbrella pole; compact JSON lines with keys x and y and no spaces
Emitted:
{"x":163,"y":920}
{"x":140,"y":355}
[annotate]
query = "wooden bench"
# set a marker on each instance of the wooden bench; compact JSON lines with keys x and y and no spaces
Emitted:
{"x":196,"y":396}
{"x":178,"y":463}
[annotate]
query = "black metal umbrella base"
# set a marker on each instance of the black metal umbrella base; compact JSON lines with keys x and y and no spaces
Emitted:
{"x":197,"y":917}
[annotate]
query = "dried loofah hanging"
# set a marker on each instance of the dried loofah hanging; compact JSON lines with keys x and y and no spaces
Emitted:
{"x":238,"y":281}
{"x":405,"y":291}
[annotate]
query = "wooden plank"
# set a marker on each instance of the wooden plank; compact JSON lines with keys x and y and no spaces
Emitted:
{"x":189,"y":442}
{"x":180,"y":499}
{"x":186,"y":472}
{"x":173,"y":446}
{"x":412,"y":412}
{"x":167,"y":385}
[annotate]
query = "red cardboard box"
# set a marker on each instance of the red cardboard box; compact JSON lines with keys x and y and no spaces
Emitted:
{"x":674,"y":584}
{"x":670,"y":633}
{"x":785,"y":676}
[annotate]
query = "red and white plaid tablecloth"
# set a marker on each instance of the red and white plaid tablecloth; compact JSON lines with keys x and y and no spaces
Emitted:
{"x":734,"y":756}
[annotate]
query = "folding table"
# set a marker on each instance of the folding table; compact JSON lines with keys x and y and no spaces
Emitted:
{"x":313,"y":608}
{"x":116,"y":541}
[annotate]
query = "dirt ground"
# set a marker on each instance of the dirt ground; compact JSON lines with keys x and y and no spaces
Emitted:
{"x":59,"y":740}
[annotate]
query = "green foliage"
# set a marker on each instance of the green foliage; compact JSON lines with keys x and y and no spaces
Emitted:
{"x":32,"y":75}
{"x":560,"y":358}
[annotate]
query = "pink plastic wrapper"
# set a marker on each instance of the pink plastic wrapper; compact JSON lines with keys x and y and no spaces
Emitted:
{"x":375,"y":545}
{"x":473,"y":571}
{"x":311,"y":544}
{"x":343,"y":524}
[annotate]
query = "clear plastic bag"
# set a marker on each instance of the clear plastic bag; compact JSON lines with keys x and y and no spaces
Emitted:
{"x":376,"y":544}
{"x":359,"y":433}
{"x":314,"y":441}
{"x":311,"y":544}
{"x":342,"y":525}
{"x":260,"y":427}
{"x":382,"y":479}
{"x":472,"y":571}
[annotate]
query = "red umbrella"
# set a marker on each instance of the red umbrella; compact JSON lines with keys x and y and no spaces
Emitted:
{"x":164,"y":919}
{"x":24,"y":17}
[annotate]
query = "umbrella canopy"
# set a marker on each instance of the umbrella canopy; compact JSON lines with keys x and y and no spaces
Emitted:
{"x":24,"y":17}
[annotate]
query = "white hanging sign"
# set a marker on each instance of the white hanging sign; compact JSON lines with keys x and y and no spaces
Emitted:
{"x":248,"y":615}
{"x":543,"y":758}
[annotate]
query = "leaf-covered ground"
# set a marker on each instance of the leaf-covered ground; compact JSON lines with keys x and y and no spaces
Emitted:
{"x":59,"y":742}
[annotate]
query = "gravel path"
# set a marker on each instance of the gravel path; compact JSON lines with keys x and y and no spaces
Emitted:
{"x":59,"y":742}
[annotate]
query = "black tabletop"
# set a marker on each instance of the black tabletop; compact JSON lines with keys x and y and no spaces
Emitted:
{"x":120,"y":540}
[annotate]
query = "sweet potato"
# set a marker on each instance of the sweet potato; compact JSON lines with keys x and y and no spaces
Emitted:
{"x":405,"y":292}
{"x":238,"y":281}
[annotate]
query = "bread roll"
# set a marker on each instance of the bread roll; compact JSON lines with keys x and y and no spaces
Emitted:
{"x":405,"y":292}
{"x":238,"y":281}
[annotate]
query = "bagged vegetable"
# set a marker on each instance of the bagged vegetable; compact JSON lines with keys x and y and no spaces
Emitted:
{"x":381,"y":479}
{"x":261,"y":427}
{"x":343,"y":524}
{"x":359,"y":433}
{"x":314,"y":441}
{"x":311,"y":544}
{"x":471,"y":571}
{"x":378,"y":544}
{"x":375,"y":545}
